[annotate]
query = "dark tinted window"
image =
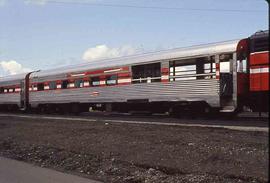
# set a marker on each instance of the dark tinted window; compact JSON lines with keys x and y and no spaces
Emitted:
{"x":111,"y":80}
{"x":40,"y":86}
{"x":64,"y":84}
{"x":259,"y":44}
{"x":78,"y":83}
{"x":2,"y":90}
{"x":95,"y":81}
{"x":140,"y":73}
{"x":52,"y":85}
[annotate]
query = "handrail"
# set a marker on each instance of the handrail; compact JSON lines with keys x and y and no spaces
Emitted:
{"x":189,"y":71}
{"x":180,"y":76}
{"x":193,"y":75}
{"x":143,"y":79}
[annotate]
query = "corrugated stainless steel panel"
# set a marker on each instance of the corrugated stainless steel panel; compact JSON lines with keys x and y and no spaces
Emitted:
{"x":190,"y":90}
{"x":10,"y":98}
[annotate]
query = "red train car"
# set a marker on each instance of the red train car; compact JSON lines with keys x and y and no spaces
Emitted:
{"x":253,"y":72}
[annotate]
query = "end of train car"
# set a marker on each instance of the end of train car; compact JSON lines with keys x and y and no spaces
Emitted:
{"x":10,"y":92}
{"x":259,"y":71}
{"x":253,"y":72}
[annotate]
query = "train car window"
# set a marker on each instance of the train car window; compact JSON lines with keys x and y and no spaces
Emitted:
{"x":40,"y":86}
{"x":259,"y":44}
{"x":190,"y":69}
{"x":52,"y":85}
{"x":87,"y":82}
{"x":78,"y":83}
{"x":111,"y":80}
{"x":210,"y":67}
{"x":2,"y":89}
{"x":146,"y":73}
{"x":34,"y":86}
{"x":183,"y":70}
{"x":200,"y":67}
{"x":242,"y":63}
{"x":95,"y":81}
{"x":64,"y":84}
{"x":225,"y":62}
{"x":224,"y":67}
{"x":225,"y":57}
{"x":242,"y":66}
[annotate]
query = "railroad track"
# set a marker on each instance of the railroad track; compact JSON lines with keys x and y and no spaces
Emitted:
{"x":239,"y":123}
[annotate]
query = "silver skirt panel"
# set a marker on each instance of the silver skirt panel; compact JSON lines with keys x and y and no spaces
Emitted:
{"x":188,"y":90}
{"x":11,"y":98}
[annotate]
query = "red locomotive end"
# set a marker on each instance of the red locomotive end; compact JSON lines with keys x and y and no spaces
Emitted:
{"x":253,"y":84}
{"x":259,"y":62}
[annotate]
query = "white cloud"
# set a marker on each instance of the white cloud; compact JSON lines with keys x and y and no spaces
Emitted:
{"x":103,"y":52}
{"x":12,"y":67}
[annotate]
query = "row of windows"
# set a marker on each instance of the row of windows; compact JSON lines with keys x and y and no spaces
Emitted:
{"x":78,"y":83}
{"x":7,"y":90}
{"x":198,"y":68}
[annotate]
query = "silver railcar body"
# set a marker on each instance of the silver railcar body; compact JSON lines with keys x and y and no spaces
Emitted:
{"x":171,"y":90}
{"x":14,"y":82}
{"x":189,"y":90}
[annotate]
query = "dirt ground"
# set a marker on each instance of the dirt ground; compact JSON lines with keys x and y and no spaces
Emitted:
{"x":129,"y":153}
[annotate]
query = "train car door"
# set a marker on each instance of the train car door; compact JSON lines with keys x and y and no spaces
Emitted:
{"x":242,"y":74}
{"x":228,"y":81}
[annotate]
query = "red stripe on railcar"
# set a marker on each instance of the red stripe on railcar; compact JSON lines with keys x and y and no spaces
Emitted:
{"x":165,"y":70}
{"x":259,"y":58}
{"x":111,"y":70}
{"x":165,"y":75}
{"x":217,"y":70}
{"x":124,"y":75}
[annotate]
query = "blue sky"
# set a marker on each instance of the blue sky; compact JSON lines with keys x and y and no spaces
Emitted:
{"x":39,"y":34}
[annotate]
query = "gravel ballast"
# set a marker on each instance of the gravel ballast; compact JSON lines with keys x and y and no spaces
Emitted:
{"x":134,"y":153}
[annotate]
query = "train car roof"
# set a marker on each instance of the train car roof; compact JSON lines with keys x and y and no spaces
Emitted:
{"x":176,"y":53}
{"x":186,"y":52}
{"x":260,"y":34}
{"x":11,"y":79}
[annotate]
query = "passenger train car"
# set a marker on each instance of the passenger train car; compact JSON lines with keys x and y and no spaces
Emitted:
{"x":225,"y":76}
